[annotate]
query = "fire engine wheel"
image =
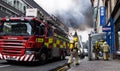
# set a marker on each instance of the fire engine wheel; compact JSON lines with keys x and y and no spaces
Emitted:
{"x":43,"y":58}
{"x":62,"y":57}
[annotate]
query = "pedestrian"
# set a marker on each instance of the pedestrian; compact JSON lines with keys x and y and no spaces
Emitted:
{"x":74,"y":53}
{"x":96,"y":50}
{"x":105,"y":51}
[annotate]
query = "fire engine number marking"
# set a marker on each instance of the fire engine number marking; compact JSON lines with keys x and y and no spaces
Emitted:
{"x":39,"y":40}
{"x":50,"y":40}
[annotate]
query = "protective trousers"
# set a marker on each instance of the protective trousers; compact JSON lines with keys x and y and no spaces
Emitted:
{"x":74,"y":54}
{"x":105,"y":55}
{"x":96,"y":55}
{"x":105,"y":52}
{"x":96,"y":51}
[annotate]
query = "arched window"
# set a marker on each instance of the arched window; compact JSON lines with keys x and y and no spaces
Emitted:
{"x":24,"y":8}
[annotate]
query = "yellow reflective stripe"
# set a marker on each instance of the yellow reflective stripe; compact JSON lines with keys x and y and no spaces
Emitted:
{"x":39,"y":40}
{"x":50,"y":40}
{"x":64,"y":43}
{"x":58,"y":42}
{"x":68,"y":45}
{"x":75,"y":39}
{"x":55,"y":34}
{"x":61,"y":46}
{"x":71,"y":45}
{"x":54,"y":45}
{"x":60,"y":37}
{"x":46,"y":44}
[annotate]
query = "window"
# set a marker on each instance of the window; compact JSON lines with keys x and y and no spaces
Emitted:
{"x":1,"y":27}
{"x":24,"y":8}
{"x":15,"y":3}
{"x":49,"y":32}
{"x":16,"y":28}
{"x":41,"y":29}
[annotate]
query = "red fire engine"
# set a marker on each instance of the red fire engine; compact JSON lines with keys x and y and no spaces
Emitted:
{"x":31,"y":39}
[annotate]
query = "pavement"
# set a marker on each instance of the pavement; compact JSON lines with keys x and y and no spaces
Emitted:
{"x":96,"y":65}
{"x":93,"y":65}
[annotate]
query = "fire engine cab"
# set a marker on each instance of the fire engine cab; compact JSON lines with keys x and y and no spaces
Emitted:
{"x":31,"y":38}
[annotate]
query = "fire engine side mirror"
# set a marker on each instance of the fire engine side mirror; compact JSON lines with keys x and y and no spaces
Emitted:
{"x":0,"y":26}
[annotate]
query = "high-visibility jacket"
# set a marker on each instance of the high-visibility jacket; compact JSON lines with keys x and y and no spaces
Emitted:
{"x":71,"y":45}
{"x":105,"y":48}
{"x":96,"y":47}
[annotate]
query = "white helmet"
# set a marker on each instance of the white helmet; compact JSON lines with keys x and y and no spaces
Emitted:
{"x":105,"y":43}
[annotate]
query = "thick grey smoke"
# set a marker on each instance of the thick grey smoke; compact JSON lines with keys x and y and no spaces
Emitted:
{"x":74,"y":13}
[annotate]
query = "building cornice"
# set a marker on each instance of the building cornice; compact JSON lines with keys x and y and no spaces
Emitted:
{"x":10,"y":8}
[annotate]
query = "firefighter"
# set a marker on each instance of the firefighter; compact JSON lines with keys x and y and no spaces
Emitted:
{"x":74,"y":53}
{"x":101,"y":45}
{"x":105,"y":51}
{"x":96,"y":50}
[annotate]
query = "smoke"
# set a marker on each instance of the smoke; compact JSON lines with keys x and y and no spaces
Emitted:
{"x":73,"y":13}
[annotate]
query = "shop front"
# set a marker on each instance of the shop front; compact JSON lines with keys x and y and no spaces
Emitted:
{"x":117,"y":37}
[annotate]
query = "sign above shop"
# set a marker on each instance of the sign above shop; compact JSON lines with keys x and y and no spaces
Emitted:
{"x":102,"y":15}
{"x":106,"y":29}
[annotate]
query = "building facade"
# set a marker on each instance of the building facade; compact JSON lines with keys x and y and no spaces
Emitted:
{"x":18,"y":8}
{"x":8,"y":8}
{"x":107,"y":20}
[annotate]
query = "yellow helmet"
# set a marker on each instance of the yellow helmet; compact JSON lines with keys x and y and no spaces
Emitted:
{"x":75,"y":39}
{"x":105,"y":43}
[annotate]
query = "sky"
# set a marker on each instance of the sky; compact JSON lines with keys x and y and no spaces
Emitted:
{"x":73,"y":13}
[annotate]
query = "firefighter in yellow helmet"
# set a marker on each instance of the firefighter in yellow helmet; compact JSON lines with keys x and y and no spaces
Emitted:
{"x":96,"y":50}
{"x":101,"y":45}
{"x":74,"y":53}
{"x":105,"y":50}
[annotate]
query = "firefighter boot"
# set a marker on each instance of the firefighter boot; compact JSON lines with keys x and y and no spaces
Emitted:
{"x":77,"y":63}
{"x":77,"y":60}
{"x":68,"y":64}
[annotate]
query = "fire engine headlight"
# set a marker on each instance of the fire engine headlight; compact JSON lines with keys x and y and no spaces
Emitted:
{"x":29,"y":52}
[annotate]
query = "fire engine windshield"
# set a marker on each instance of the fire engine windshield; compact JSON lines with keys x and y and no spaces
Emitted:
{"x":16,"y":28}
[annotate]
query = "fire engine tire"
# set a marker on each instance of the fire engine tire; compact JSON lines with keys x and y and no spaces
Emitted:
{"x":62,"y":57}
{"x":43,"y":58}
